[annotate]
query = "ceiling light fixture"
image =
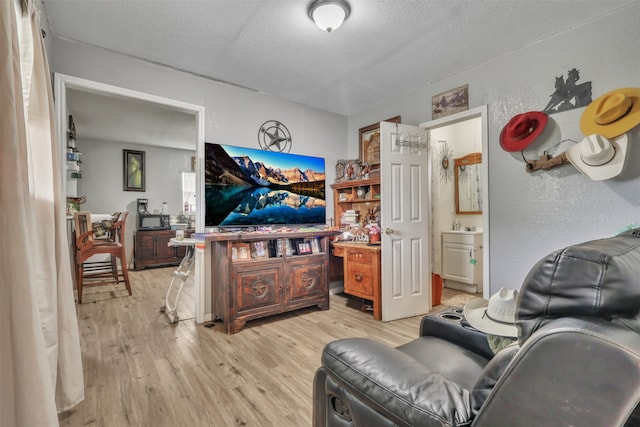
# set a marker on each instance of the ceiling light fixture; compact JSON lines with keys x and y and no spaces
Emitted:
{"x":329,"y":14}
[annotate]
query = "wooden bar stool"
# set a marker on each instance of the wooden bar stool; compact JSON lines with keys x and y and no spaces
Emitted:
{"x":88,"y":244}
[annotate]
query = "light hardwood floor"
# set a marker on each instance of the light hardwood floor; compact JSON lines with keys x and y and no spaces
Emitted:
{"x":141,"y":371}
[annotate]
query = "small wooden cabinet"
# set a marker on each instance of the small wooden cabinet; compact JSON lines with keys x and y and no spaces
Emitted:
{"x":151,"y":249}
{"x":360,"y":195}
{"x":254,"y":275}
{"x":362,"y":272}
{"x":462,"y":260}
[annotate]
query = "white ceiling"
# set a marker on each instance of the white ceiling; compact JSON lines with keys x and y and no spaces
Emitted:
{"x":384,"y":49}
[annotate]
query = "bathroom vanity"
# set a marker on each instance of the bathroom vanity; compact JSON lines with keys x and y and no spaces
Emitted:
{"x":462,"y":260}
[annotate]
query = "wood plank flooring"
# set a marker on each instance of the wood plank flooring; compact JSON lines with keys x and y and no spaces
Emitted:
{"x":141,"y":371}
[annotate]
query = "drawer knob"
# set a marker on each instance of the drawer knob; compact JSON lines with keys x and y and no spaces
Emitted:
{"x":358,"y":277}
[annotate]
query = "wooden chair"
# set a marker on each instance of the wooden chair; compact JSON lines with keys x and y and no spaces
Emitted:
{"x":87,"y":245}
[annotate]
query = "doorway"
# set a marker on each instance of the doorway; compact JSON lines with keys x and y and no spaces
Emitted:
{"x":64,"y":84}
{"x":435,"y":126}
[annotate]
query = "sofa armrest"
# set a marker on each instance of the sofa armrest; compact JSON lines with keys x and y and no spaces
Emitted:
{"x":396,"y":385}
{"x":456,"y":332}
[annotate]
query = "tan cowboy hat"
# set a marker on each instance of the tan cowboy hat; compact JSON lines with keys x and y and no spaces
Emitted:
{"x":612,"y":114}
{"x":599,"y":158}
{"x":496,"y":316}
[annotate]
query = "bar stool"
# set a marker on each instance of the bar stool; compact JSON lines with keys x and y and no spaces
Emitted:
{"x":87,"y":245}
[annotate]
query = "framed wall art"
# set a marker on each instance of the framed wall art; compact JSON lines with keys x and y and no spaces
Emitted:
{"x":450,"y":102}
{"x":347,"y":170}
{"x":369,"y":142}
{"x":133,"y":170}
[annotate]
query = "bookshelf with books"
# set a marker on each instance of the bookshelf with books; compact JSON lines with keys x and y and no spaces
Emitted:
{"x":353,"y":199}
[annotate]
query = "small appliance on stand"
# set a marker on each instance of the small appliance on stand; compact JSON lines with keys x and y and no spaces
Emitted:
{"x":143,"y":206}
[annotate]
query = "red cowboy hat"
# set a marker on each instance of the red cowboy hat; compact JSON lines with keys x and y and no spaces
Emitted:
{"x":522,"y":130}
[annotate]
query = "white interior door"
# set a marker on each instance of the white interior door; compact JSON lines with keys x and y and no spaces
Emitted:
{"x":405,"y":187}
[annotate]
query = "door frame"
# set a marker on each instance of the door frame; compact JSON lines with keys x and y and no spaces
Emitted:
{"x":62,"y":82}
{"x":473,"y":113}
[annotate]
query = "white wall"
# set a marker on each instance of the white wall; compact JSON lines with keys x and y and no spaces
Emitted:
{"x":233,"y":114}
{"x":102,"y":177}
{"x":534,"y":214}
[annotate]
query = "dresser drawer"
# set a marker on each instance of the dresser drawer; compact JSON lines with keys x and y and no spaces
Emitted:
{"x":359,"y":279}
{"x":338,"y":251}
{"x":462,"y":238}
{"x":360,"y":256}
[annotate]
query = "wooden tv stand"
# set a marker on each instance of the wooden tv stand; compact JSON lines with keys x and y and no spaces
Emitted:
{"x":254,"y":275}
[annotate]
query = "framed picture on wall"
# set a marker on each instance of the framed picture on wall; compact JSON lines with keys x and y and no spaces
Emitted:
{"x":369,"y":142}
{"x":450,"y":102}
{"x":133,"y":170}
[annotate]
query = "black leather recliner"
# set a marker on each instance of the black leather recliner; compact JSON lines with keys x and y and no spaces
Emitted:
{"x":576,"y":362}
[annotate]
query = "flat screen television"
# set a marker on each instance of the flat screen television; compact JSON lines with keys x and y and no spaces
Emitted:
{"x":247,"y":187}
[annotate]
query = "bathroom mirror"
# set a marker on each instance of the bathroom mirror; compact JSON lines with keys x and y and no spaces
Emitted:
{"x":468,"y":183}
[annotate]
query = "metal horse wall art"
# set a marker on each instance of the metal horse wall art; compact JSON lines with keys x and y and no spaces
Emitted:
{"x":568,"y":91}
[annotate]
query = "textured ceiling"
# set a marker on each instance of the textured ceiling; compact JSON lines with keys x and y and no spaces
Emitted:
{"x":385,"y":48}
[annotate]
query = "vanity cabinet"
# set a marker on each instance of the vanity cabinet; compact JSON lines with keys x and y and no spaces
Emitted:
{"x":151,"y":249}
{"x":254,"y":275}
{"x":462,"y":260}
{"x":362,"y":272}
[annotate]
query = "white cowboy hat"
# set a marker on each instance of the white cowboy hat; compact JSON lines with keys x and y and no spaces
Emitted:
{"x":598,"y":157}
{"x":496,"y":316}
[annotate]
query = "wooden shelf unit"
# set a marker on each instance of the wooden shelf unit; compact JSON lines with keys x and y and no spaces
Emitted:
{"x":245,"y":286}
{"x":360,"y":263}
{"x":346,"y":197}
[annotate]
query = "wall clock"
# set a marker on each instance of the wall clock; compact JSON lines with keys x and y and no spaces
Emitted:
{"x":274,"y":136}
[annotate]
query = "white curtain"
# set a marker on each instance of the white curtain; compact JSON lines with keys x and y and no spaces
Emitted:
{"x":40,"y":359}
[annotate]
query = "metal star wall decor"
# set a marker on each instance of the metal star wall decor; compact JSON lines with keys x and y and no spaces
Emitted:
{"x":274,"y":136}
{"x":445,"y":155}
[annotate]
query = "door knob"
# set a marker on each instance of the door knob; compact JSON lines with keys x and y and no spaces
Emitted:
{"x":388,"y":231}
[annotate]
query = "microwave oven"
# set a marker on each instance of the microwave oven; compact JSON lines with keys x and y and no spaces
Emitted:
{"x":153,"y":222}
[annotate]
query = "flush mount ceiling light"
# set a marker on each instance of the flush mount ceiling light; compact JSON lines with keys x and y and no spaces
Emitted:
{"x":329,"y":14}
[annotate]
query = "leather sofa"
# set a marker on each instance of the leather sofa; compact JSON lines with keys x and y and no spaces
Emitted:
{"x":576,"y":361}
